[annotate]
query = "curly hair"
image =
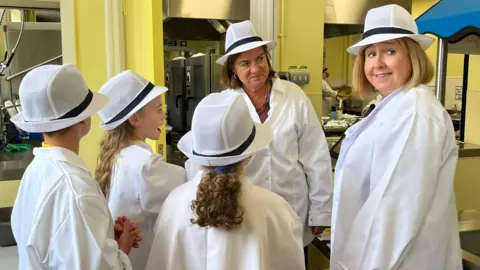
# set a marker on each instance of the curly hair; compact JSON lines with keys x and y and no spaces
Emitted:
{"x":113,"y":142}
{"x":217,"y":202}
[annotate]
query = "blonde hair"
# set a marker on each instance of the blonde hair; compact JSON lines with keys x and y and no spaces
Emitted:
{"x":217,"y":202}
{"x":227,"y":78}
{"x":113,"y":142}
{"x":422,"y":69}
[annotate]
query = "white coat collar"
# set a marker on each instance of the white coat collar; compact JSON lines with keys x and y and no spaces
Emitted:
{"x":277,"y":86}
{"x":354,"y":131}
{"x":61,"y":154}
{"x":143,"y":145}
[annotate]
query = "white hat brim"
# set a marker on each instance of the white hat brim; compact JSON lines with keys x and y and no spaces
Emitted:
{"x":99,"y":101}
{"x":246,"y":47}
{"x":423,"y":40}
{"x":263,"y":137}
{"x":156,"y":91}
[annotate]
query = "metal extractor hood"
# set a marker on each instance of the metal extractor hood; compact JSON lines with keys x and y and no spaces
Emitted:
{"x":347,"y":17}
{"x":202,"y":20}
{"x":31,"y":4}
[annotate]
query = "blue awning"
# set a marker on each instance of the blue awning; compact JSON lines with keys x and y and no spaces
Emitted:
{"x":451,"y":19}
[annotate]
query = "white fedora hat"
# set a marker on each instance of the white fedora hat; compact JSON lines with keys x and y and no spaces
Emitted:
{"x":128,"y":92}
{"x":387,"y":23}
{"x":55,"y":97}
{"x":223,"y":133}
{"x":241,"y":37}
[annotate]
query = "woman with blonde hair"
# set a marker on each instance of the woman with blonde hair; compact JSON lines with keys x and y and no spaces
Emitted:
{"x":218,"y":220}
{"x":394,"y":203}
{"x":135,"y":180}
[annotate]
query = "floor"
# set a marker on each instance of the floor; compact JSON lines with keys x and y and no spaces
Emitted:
{"x":8,"y":258}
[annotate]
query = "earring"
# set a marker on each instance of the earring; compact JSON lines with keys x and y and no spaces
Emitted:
{"x":235,"y":76}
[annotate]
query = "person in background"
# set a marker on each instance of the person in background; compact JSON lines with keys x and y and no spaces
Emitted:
{"x":394,"y":203}
{"x":328,"y":94}
{"x":297,"y":163}
{"x":134,"y":179}
{"x":60,"y":219}
{"x":218,"y":218}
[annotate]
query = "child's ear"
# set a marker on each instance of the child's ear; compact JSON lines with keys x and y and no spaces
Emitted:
{"x":134,"y":120}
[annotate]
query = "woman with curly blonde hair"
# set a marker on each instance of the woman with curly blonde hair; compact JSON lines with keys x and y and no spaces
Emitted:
{"x":218,"y":218}
{"x":134,"y":180}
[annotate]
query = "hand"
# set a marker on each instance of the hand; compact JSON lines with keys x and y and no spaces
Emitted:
{"x":118,"y":227}
{"x":126,"y":240}
{"x":317,"y":230}
{"x":134,"y":230}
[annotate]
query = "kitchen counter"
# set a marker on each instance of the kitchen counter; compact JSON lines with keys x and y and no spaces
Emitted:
{"x":13,"y":165}
{"x":466,"y":150}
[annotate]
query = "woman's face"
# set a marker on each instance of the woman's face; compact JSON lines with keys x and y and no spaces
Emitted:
{"x":252,"y":68}
{"x":387,"y":66}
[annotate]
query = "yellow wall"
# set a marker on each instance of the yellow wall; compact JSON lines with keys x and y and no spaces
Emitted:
{"x":8,"y":192}
{"x":91,"y":60}
{"x":303,"y":45}
{"x":467,"y":184}
{"x":144,"y":37}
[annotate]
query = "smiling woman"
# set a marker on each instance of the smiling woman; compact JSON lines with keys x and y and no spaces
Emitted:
{"x":389,"y":65}
{"x":394,"y":201}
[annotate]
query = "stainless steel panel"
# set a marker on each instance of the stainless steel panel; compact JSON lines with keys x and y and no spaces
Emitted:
{"x":202,"y":20}
{"x":347,"y":17}
{"x":207,"y":9}
{"x":354,"y":11}
{"x":441,"y":76}
{"x":31,"y":4}
{"x":40,"y":42}
{"x":6,"y":234}
{"x":176,"y":96}
{"x":13,"y":165}
{"x":198,"y":83}
{"x":215,"y":85}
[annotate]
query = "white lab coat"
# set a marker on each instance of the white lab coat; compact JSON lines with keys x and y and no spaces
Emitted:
{"x":269,"y":238}
{"x":141,"y":181}
{"x":60,"y":219}
{"x":328,"y":97}
{"x":297,"y":164}
{"x":394,"y":203}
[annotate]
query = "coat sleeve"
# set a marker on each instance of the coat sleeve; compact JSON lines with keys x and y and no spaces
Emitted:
{"x":327,"y":90}
{"x":407,"y":160}
{"x":314,"y":156}
{"x":158,"y":179}
{"x":86,"y":239}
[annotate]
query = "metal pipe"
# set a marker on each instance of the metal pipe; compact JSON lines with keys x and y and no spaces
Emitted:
{"x":29,"y":69}
{"x":441,"y":77}
{"x":466,"y":60}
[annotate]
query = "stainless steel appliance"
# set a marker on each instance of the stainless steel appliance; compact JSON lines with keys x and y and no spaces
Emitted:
{"x":202,"y":78}
{"x":176,"y":96}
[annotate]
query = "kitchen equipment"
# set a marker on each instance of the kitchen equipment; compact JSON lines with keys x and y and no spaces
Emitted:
{"x":6,"y":235}
{"x":176,"y":95}
{"x":202,"y":78}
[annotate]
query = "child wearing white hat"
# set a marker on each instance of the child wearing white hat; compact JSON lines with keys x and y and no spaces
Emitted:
{"x":60,"y":219}
{"x":134,"y":179}
{"x":218,"y":218}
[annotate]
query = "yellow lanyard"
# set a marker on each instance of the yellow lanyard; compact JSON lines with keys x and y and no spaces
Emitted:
{"x":46,"y":145}
{"x":133,"y":138}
